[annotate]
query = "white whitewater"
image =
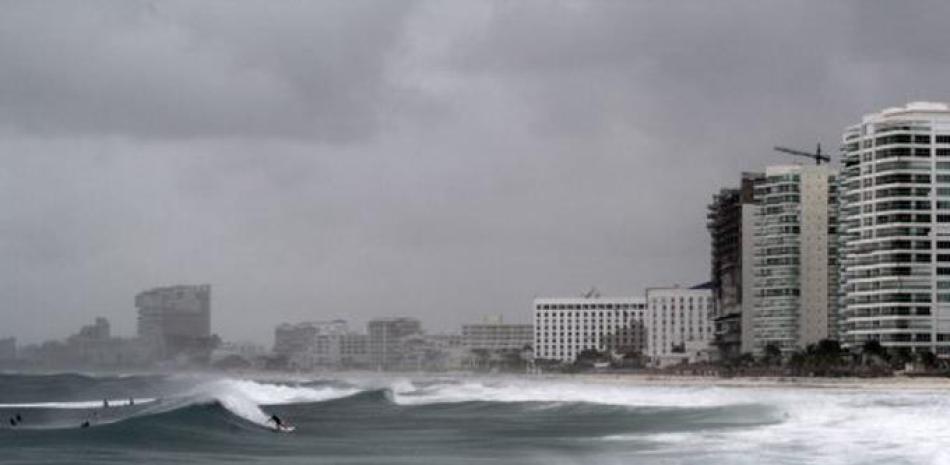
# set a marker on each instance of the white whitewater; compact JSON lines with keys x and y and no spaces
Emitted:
{"x":245,"y":398}
{"x":828,"y":426}
{"x":405,"y":392}
{"x":81,"y":404}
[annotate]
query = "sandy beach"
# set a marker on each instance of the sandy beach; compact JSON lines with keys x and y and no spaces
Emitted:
{"x":882,"y":383}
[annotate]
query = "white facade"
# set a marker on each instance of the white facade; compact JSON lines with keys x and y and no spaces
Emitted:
{"x":794,"y":266}
{"x":678,"y":324}
{"x":895,"y":222}
{"x":563,"y":327}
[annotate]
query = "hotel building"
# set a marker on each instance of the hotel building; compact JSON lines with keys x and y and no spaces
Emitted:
{"x":563,"y":327}
{"x":678,"y":324}
{"x":493,"y":334}
{"x":895,"y":221}
{"x":795,"y":263}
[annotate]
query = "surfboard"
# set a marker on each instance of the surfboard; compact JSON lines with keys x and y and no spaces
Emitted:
{"x":285,"y":429}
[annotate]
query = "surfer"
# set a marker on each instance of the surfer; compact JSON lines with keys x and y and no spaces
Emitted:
{"x":131,"y":401}
{"x":12,"y":421}
{"x":19,"y":419}
{"x":105,"y":403}
{"x":277,"y":422}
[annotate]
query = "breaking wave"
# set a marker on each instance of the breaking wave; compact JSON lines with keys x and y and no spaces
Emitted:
{"x":444,"y":417}
{"x":242,"y":398}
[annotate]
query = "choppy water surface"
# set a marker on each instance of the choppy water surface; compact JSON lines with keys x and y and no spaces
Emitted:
{"x":373,"y":420}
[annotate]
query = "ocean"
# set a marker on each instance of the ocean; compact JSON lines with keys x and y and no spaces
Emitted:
{"x":205,"y":419}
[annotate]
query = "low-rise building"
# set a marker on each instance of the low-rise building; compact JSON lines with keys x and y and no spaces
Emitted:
{"x":496,"y":335}
{"x":326,"y":344}
{"x":678,"y":324}
{"x":563,"y":327}
{"x":431,"y":352}
{"x":302,"y":337}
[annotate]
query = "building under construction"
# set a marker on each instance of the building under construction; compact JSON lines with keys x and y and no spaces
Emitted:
{"x":730,"y":225}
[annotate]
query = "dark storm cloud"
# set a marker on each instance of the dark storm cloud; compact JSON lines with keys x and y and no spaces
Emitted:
{"x":179,"y":69}
{"x":446,"y":160}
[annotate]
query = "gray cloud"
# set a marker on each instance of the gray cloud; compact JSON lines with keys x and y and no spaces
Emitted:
{"x":176,"y":69}
{"x":443,"y":160}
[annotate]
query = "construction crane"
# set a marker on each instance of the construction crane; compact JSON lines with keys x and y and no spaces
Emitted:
{"x":817,"y":156}
{"x":593,"y":293}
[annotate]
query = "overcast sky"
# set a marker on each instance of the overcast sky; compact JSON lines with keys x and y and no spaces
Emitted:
{"x":444,"y":160}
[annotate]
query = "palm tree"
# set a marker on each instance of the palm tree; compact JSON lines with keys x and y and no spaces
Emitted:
{"x":928,"y":359}
{"x":872,"y":349}
{"x":773,"y":354}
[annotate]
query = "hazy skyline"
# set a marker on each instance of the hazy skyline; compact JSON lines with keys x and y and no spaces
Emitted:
{"x":443,"y":160}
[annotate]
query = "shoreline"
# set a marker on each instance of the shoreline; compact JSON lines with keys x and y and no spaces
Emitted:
{"x":632,"y":379}
{"x":882,"y":383}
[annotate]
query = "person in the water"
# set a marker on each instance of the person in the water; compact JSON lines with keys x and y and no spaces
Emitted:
{"x":19,"y":419}
{"x":84,"y":424}
{"x":105,"y":403}
{"x":277,"y":422}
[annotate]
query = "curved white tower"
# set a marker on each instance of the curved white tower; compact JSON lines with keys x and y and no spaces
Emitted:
{"x":895,"y":229}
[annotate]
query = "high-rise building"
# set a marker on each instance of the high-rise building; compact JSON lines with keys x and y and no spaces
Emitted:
{"x":386,"y":336}
{"x":730,"y":219}
{"x":895,"y":222}
{"x":176,"y":321}
{"x":795,"y":263}
{"x":563,"y":327}
{"x":677,"y":323}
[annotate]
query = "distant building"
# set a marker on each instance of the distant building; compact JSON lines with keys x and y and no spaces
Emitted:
{"x":98,"y":331}
{"x":175,"y":322}
{"x":302,"y":337}
{"x":354,"y":351}
{"x":430,"y":352}
{"x":337,"y":347}
{"x":385,"y":340}
{"x":314,"y":344}
{"x":8,"y":349}
{"x":238,"y":355}
{"x":496,"y":335}
{"x":678,"y":324}
{"x":796,"y":271}
{"x":93,"y":346}
{"x":730,"y":221}
{"x":563,"y":327}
